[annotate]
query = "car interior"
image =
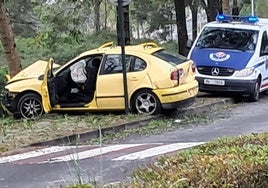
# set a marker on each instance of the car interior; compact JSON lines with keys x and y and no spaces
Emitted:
{"x":68,"y":92}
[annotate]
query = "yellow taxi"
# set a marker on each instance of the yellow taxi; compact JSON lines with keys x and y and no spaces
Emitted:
{"x":93,"y":81}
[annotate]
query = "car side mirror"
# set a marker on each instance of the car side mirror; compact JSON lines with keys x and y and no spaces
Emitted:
{"x":189,"y":44}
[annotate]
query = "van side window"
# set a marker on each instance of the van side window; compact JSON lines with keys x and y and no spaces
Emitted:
{"x":264,"y":44}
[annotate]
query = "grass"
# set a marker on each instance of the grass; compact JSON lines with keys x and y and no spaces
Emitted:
{"x":15,"y":134}
{"x":240,"y":161}
{"x":227,"y":162}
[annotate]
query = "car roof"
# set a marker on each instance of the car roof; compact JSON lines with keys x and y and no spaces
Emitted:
{"x":111,"y":48}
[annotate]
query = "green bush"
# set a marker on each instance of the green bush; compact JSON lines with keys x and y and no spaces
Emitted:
{"x":239,"y":162}
{"x":3,"y":72}
{"x":65,"y":48}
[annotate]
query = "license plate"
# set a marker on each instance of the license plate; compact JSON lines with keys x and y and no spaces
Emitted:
{"x":214,"y":82}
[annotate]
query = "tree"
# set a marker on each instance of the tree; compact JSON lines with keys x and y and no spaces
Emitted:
{"x":181,"y":25}
{"x":235,"y":8}
{"x":212,"y":8}
{"x":226,"y":7}
{"x":194,"y":5}
{"x":97,"y":4}
{"x":25,"y":25}
{"x":8,"y":42}
{"x":261,"y":8}
{"x":140,"y":15}
{"x":246,"y":8}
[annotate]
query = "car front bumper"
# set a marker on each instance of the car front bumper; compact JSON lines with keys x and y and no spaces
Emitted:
{"x":180,"y":96}
{"x":231,"y":86}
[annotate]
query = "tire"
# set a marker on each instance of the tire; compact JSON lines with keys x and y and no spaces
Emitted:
{"x":255,"y":95}
{"x":146,"y":102}
{"x":30,"y":106}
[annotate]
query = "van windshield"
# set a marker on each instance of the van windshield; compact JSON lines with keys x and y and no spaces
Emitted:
{"x":228,"y":38}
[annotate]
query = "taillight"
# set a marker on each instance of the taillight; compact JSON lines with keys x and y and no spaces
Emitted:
{"x":176,"y":75}
{"x":193,"y":67}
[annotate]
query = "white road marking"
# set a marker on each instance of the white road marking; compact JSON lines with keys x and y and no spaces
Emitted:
{"x":69,"y":153}
{"x":157,"y":151}
{"x":35,"y":153}
{"x":90,"y":153}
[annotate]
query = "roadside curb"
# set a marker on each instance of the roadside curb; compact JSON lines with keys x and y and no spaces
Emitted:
{"x":207,"y":107}
{"x":85,"y":136}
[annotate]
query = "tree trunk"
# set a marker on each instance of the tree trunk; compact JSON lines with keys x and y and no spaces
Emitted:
{"x":8,"y":42}
{"x":194,"y":12}
{"x":226,"y":7}
{"x":212,"y":8}
{"x":97,"y":14}
{"x":235,"y":8}
{"x":138,"y":30}
{"x":181,"y":26}
{"x":105,"y":15}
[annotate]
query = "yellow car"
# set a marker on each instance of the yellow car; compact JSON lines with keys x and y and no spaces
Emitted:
{"x":93,"y":81}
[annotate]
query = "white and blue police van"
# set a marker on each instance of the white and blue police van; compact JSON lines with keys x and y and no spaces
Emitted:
{"x":231,"y":56}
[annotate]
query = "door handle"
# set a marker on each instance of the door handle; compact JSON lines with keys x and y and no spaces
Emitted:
{"x":133,"y":78}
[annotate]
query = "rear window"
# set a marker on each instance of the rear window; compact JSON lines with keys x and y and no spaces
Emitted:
{"x":171,"y":58}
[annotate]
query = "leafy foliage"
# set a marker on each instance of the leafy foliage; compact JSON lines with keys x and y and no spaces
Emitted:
{"x":228,"y":162}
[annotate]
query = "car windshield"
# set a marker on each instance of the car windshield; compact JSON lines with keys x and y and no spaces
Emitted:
{"x":172,"y":58}
{"x":228,"y":38}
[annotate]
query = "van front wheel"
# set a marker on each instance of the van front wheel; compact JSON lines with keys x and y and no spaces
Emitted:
{"x":255,"y":95}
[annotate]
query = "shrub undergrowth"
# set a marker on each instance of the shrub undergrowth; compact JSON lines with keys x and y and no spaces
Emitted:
{"x":228,"y":162}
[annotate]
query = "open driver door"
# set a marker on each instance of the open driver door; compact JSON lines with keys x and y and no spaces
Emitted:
{"x":45,"y":88}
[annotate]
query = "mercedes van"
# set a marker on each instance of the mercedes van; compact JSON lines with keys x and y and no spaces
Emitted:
{"x":231,"y":56}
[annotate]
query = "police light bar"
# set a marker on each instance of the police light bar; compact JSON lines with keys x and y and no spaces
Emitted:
{"x":231,"y":18}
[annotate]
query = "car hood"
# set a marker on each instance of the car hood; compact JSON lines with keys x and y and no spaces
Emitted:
{"x":32,"y":71}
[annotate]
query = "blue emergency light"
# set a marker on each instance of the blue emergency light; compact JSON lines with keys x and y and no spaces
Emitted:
{"x":253,"y":19}
{"x":231,"y":18}
{"x":221,"y":17}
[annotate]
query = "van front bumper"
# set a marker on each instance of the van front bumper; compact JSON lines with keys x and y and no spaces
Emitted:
{"x":230,"y":86}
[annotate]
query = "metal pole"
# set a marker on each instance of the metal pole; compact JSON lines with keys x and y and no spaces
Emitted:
{"x":252,"y":7}
{"x":122,"y":36}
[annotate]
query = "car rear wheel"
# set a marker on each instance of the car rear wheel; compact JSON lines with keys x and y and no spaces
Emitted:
{"x":145,"y":101}
{"x":255,"y":95}
{"x":30,"y":106}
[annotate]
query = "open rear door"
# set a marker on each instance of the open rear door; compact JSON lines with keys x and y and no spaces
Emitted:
{"x":44,"y":87}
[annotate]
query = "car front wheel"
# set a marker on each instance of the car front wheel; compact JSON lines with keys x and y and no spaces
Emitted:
{"x":30,"y":106}
{"x":145,"y":101}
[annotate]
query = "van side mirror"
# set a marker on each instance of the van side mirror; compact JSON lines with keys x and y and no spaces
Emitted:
{"x":189,"y":44}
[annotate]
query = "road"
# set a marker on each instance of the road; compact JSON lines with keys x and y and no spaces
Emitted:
{"x":58,"y":165}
